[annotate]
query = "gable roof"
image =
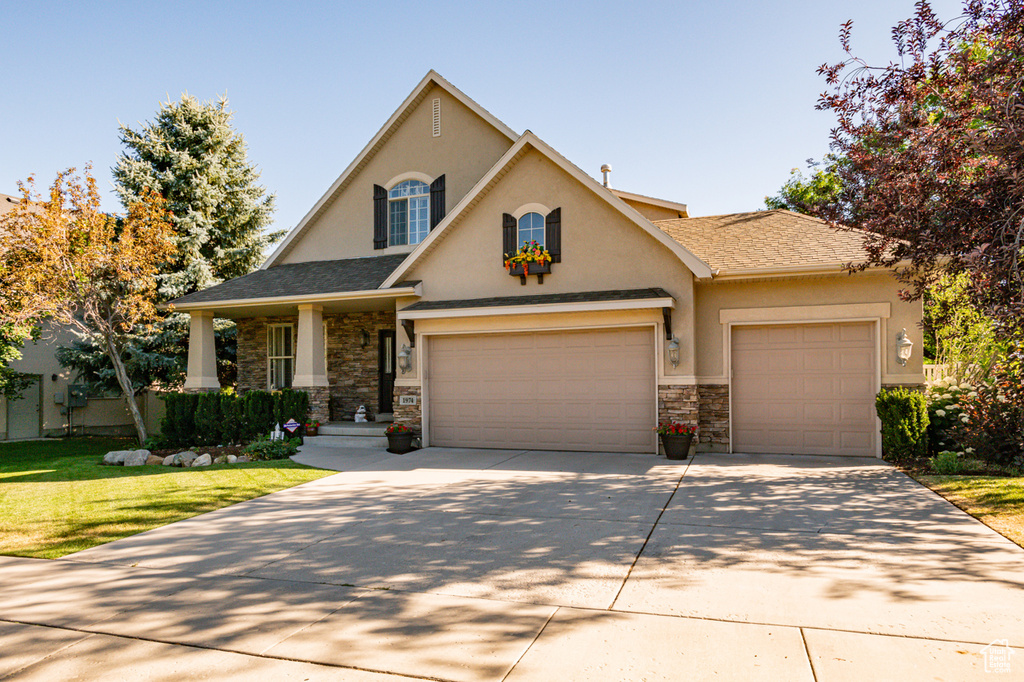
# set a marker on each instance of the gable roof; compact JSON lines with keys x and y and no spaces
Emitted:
{"x":525,"y":143}
{"x":766,"y":241}
{"x":651,"y":201}
{"x":295,"y":280}
{"x":370,"y":150}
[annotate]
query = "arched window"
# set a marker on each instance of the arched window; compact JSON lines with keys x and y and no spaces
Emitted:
{"x":408,"y":213}
{"x":531,"y":228}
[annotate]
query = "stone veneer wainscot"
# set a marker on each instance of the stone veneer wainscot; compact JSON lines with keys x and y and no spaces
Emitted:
{"x":351,"y":367}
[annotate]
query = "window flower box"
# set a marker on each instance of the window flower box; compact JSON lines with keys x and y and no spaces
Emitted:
{"x":531,"y":259}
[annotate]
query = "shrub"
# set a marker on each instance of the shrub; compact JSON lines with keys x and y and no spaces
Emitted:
{"x":265,"y":449}
{"x":289,"y":404}
{"x":946,"y":401}
{"x":257,"y":415}
{"x":947,"y":463}
{"x":208,"y":419}
{"x":993,"y":419}
{"x":230,"y":418}
{"x":904,"y":416}
{"x":177,"y":428}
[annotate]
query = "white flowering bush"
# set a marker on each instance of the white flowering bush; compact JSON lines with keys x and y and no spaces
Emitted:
{"x":946,"y":413}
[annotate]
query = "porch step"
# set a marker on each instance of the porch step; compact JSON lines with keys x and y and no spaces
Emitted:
{"x":350,"y":435}
{"x":369,"y":441}
{"x":352,"y":429}
{"x":384,"y":417}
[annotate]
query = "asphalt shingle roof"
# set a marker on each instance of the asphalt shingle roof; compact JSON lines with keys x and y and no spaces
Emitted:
{"x":302,"y":279}
{"x":538,"y":299}
{"x":765,"y":240}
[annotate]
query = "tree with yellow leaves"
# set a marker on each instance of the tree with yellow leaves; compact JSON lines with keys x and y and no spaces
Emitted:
{"x":65,"y":260}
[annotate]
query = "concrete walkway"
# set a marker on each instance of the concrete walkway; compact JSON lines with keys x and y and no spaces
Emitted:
{"x":510,"y":565}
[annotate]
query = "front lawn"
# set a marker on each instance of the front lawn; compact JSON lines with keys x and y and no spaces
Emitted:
{"x":997,"y":502}
{"x":56,"y":499}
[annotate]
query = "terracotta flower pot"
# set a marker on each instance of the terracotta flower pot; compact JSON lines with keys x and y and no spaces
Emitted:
{"x":677,"y":446}
{"x":312,"y":430}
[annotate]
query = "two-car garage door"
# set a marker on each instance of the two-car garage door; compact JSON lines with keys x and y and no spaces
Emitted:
{"x":805,"y":389}
{"x":567,"y":390}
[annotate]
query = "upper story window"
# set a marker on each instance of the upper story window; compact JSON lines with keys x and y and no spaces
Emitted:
{"x":531,"y":228}
{"x":408,"y":213}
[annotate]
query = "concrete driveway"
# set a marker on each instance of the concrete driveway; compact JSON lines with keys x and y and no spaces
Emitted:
{"x":510,"y":565}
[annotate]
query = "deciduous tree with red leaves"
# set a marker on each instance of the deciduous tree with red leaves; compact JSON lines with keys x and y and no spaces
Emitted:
{"x":933,"y":150}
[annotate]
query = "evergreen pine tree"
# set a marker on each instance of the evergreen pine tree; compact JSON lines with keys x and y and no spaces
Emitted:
{"x":192,"y":156}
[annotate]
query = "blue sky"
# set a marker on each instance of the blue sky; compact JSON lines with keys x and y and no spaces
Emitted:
{"x":707,"y":103}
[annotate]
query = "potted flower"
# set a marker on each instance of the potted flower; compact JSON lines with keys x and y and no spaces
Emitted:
{"x":312,"y":428}
{"x":399,"y":438}
{"x":676,"y":438}
{"x":530,"y":256}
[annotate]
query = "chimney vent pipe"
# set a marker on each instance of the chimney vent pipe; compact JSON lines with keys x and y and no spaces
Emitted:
{"x":605,"y":170}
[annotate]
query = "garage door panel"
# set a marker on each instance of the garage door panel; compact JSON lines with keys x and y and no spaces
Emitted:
{"x":591,"y":390}
{"x":804,"y":389}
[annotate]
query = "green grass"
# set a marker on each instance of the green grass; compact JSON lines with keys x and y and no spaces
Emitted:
{"x":56,"y":499}
{"x":998,"y":502}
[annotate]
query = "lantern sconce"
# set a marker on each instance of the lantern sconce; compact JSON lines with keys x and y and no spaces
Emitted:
{"x":364,"y":338}
{"x":904,"y":346}
{"x":673,"y":351}
{"x":405,"y":359}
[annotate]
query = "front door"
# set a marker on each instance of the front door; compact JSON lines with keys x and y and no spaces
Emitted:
{"x":386,"y":371}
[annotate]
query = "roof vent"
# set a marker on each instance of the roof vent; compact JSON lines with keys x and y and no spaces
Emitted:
{"x":437,"y":117}
{"x":605,"y":170}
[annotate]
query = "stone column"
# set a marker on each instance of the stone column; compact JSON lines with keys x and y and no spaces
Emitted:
{"x":202,"y":354}
{"x":310,"y":363}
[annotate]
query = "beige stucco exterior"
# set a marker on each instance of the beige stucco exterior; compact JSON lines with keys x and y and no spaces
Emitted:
{"x":825,"y":298}
{"x":601,"y":250}
{"x":467,"y":147}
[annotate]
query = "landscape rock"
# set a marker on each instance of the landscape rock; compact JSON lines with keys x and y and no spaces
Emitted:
{"x":115,"y":456}
{"x":136,"y":458}
{"x":232,"y":459}
{"x":242,"y":459}
{"x":169,"y":460}
{"x":220,"y":460}
{"x":202,"y":461}
{"x":186,"y":458}
{"x":154,"y":459}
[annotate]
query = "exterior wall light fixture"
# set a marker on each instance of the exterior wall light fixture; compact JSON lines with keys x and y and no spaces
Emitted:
{"x":673,"y":351}
{"x":364,"y":337}
{"x":405,"y":359}
{"x":904,"y":346}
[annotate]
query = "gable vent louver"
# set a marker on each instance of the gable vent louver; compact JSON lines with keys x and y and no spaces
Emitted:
{"x":437,"y":117}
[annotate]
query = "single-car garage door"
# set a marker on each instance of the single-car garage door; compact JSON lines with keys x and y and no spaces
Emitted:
{"x":804,"y":389}
{"x":580,"y":390}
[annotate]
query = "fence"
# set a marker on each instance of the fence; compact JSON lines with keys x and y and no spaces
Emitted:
{"x":936,"y":372}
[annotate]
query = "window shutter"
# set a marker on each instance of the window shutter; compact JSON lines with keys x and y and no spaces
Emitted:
{"x":508,"y":236}
{"x":380,"y":217}
{"x":553,"y":235}
{"x":436,"y":201}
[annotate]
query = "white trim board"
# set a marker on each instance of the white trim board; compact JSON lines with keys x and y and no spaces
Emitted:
{"x":538,"y":309}
{"x":397,"y":292}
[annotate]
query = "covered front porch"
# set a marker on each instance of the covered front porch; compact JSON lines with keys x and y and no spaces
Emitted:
{"x":341,"y":347}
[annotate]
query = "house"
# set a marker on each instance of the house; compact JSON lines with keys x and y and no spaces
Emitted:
{"x":392,"y":292}
{"x":45,"y":407}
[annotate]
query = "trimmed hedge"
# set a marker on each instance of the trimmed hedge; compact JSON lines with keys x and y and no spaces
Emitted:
{"x":904,"y":416}
{"x":221,"y":418}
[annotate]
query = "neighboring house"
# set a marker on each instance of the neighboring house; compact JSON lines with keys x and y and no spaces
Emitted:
{"x":391,"y":293}
{"x":43,"y":408}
